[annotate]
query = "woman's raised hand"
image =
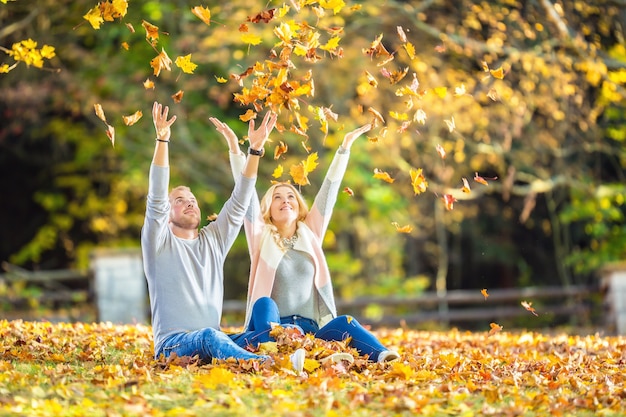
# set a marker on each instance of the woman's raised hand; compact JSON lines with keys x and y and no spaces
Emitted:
{"x":258,"y":137}
{"x":227,"y":132}
{"x":350,"y":137}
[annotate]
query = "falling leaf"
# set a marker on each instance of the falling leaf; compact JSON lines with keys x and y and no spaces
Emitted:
{"x":212,"y":217}
{"x":152,"y":31}
{"x":178,"y":97}
{"x":348,"y":191}
{"x":111,"y":134}
{"x":418,"y":181}
{"x":451,"y":124}
{"x":497,"y":73}
{"x":133,"y":118}
{"x":441,"y":151}
{"x":448,"y":201}
{"x":148,"y":84}
{"x":185,"y":64}
{"x":125,"y":46}
{"x":251,"y":39}
{"x":221,"y":80}
{"x":528,"y":306}
{"x":300,"y":172}
{"x":160,"y":62}
{"x":483,"y":180}
{"x":99,"y":112}
{"x":371,"y":80}
{"x":402,"y":229}
{"x":401,"y":33}
{"x":442,"y":92}
{"x":465,"y":188}
{"x":493,"y":94}
{"x":381,"y":175}
{"x":203,"y":13}
{"x":377,"y":116}
{"x":495,"y":328}
{"x":410,"y":50}
{"x":460,"y":90}
{"x":280,"y":149}
{"x":248,"y":115}
{"x":278,"y":171}
{"x":265,"y":16}
{"x":420,"y":116}
{"x":484,"y":293}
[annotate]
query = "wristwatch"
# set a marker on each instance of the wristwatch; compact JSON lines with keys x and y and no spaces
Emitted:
{"x":257,"y":152}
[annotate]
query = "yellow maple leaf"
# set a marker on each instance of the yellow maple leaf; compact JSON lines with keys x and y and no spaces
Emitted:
{"x":250,"y":38}
{"x":185,"y":64}
{"x":300,"y":172}
{"x":410,"y":50}
{"x":278,"y":172}
{"x":441,"y":91}
{"x":311,"y":162}
{"x":248,"y":115}
{"x":418,"y":181}
{"x":94,"y":17}
{"x":332,"y":44}
{"x":221,"y":80}
{"x":334,"y":5}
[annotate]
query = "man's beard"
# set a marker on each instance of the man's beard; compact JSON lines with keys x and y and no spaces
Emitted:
{"x":186,"y":223}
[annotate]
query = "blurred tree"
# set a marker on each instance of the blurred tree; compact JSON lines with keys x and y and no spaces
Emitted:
{"x":528,"y":92}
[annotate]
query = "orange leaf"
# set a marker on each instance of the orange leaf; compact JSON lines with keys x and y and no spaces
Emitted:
{"x":448,"y":200}
{"x":482,"y":180}
{"x":402,"y":229}
{"x":528,"y":306}
{"x":497,"y":73}
{"x":495,"y":328}
{"x":249,"y":115}
{"x":152,"y":32}
{"x":178,"y":97}
{"x":160,"y":62}
{"x":280,"y":149}
{"x":484,"y":293}
{"x":381,"y":175}
{"x":203,"y":13}
{"x":348,"y":191}
{"x":133,"y":118}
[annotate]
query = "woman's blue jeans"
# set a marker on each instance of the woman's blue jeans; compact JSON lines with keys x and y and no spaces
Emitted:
{"x":208,"y":344}
{"x":340,"y":328}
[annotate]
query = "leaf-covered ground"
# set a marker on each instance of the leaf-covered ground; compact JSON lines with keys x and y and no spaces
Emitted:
{"x":84,"y":369}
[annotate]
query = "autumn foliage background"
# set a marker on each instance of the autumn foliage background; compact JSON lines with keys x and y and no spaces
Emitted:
{"x":496,"y":161}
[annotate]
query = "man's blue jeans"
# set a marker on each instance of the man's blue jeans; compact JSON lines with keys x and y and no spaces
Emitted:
{"x":208,"y":344}
{"x":340,"y":328}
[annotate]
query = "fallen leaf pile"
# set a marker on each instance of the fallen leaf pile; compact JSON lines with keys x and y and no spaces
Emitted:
{"x":103,"y":369}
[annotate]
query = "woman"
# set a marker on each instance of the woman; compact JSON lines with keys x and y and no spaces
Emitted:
{"x":287,"y":260}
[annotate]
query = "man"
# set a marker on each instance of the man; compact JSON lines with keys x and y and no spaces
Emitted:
{"x":184,"y":264}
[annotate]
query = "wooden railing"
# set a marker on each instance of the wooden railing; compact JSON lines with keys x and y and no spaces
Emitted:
{"x":456,"y":307}
{"x":462,"y":306}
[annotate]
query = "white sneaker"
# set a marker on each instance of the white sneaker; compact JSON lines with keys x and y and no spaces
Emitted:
{"x":338,"y":357}
{"x":297,"y":360}
{"x":387,"y":356}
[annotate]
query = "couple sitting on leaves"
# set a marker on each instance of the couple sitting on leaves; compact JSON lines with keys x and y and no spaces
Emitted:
{"x":289,"y":279}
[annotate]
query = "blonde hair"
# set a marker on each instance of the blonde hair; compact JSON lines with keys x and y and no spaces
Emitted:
{"x":266,"y":203}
